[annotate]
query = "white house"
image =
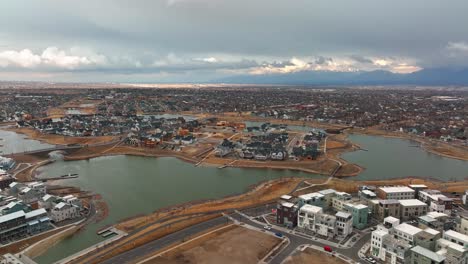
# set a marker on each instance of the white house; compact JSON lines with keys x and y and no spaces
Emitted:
{"x":64,"y":211}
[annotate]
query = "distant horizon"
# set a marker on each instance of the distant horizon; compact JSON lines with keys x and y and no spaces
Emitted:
{"x":203,"y":41}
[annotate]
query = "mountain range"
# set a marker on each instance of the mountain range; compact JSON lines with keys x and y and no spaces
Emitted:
{"x":429,"y":77}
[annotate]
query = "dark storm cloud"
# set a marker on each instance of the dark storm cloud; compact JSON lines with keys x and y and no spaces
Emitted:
{"x":132,"y":34}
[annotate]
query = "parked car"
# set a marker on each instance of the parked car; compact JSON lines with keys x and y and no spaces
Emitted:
{"x":278,"y":234}
{"x":327,"y":248}
{"x":267,"y":227}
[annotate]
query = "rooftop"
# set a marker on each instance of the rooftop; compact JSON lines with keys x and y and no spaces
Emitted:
{"x":428,"y":253}
{"x":311,"y":209}
{"x":343,"y":214}
{"x":412,"y":202}
{"x":417,"y":186}
{"x":327,"y":191}
{"x":368,"y":192}
{"x":286,"y":197}
{"x":311,"y":195}
{"x":436,"y":215}
{"x":456,"y":235}
{"x":9,"y":217}
{"x":287,"y":204}
{"x":408,"y":229}
{"x":396,"y":189}
{"x":35,"y":213}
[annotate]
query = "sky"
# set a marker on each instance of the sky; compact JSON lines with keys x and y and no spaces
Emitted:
{"x":203,"y":40}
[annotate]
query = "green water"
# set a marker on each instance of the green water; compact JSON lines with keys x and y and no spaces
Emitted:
{"x":11,"y":142}
{"x":388,"y":158}
{"x":139,"y":185}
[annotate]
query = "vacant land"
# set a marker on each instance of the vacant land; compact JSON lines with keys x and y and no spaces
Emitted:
{"x":238,"y":245}
{"x":313,"y":256}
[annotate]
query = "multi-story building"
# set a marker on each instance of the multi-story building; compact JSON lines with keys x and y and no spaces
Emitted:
{"x":462,"y":224}
{"x":286,"y":214}
{"x":406,"y":232}
{"x":417,"y":188}
{"x":388,"y":247}
{"x":360,"y":214}
{"x":307,"y":216}
{"x":395,"y":193}
{"x":443,"y":204}
{"x":33,"y":192}
{"x":344,"y":224}
{"x":328,"y":195}
{"x":19,"y":224}
{"x":427,"y":238}
{"x":312,"y":218}
{"x":454,"y":252}
{"x":367,"y":195}
{"x":387,"y":208}
{"x":456,"y":237}
{"x":314,"y":198}
{"x":340,"y":199}
{"x":63,"y":211}
{"x":421,"y":255}
{"x":412,"y":209}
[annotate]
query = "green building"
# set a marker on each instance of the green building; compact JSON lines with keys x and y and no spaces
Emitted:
{"x":360,"y":214}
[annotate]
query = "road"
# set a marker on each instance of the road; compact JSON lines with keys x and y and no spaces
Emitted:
{"x":155,"y":245}
{"x":296,"y":241}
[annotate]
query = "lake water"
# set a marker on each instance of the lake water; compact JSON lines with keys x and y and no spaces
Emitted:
{"x":16,"y":143}
{"x":140,"y":185}
{"x":388,"y":158}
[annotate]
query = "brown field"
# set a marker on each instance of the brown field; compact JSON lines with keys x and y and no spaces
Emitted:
{"x":331,"y":144}
{"x":313,"y":256}
{"x":238,"y":245}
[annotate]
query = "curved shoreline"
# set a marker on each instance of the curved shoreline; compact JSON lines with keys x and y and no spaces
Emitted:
{"x":424,"y":144}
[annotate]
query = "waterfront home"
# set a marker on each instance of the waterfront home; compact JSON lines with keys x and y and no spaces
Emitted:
{"x":64,"y":211}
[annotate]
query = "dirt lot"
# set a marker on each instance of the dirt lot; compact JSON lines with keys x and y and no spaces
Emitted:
{"x":313,"y":256}
{"x":238,"y":245}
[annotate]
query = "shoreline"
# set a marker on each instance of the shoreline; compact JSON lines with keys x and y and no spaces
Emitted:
{"x":424,"y":144}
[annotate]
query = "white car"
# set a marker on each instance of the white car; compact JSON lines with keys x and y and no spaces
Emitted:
{"x":267,"y":227}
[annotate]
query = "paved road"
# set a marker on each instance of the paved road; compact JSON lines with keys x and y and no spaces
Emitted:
{"x":296,"y":241}
{"x":148,"y":248}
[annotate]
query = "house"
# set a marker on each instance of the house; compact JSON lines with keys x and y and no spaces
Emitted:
{"x":63,"y":211}
{"x":344,"y":224}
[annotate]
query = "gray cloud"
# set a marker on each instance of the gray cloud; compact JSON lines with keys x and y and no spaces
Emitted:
{"x":128,"y":32}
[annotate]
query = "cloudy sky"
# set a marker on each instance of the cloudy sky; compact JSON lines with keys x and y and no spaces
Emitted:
{"x":202,"y":40}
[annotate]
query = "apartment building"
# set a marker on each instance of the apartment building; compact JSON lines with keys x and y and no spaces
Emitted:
{"x":395,"y":193}
{"x":412,"y":209}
